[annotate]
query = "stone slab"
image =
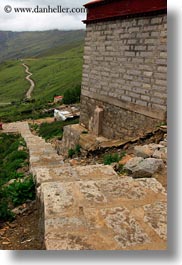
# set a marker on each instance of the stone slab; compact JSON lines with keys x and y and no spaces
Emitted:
{"x":119,"y":212}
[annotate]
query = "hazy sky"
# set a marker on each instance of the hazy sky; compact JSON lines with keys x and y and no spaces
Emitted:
{"x":29,"y":21}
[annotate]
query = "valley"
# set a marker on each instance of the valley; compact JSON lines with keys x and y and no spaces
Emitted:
{"x":55,"y":71}
{"x":17,"y":45}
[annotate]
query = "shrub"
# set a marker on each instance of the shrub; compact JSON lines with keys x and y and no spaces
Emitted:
{"x":16,"y":155}
{"x":20,"y":191}
{"x":75,"y":151}
{"x":112,"y":158}
{"x":14,"y":195}
{"x":5,"y":213}
{"x":72,"y":95}
{"x":11,"y":158}
{"x":71,"y":153}
{"x":14,"y":165}
{"x":54,"y":129}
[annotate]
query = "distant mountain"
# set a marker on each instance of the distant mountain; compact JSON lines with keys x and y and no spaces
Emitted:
{"x":15,"y":45}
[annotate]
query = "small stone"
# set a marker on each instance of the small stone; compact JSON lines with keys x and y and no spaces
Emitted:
{"x":73,"y":162}
{"x":163,"y":128}
{"x":11,"y":181}
{"x":125,"y":159}
{"x":143,"y":151}
{"x":20,"y":148}
{"x":6,"y":243}
{"x":161,"y":154}
{"x":164,"y":143}
{"x":12,"y":225}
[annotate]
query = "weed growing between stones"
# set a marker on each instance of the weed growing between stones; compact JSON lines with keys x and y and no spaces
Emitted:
{"x":76,"y":151}
{"x":113,"y":158}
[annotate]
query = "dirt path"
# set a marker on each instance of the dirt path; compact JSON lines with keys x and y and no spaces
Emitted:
{"x":23,"y":233}
{"x":5,"y":104}
{"x":32,"y":84}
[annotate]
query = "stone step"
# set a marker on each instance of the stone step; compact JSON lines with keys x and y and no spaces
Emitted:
{"x":105,"y":215}
{"x":46,"y":164}
{"x":43,"y":158}
{"x":65,"y":173}
{"x":91,"y":207}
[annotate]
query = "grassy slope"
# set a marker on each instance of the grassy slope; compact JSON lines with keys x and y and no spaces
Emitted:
{"x":55,"y":129}
{"x":12,"y":83}
{"x":54,"y":74}
{"x":59,"y":69}
{"x":30,"y":44}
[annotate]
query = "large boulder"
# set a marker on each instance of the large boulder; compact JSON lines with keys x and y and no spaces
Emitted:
{"x":139,"y":167}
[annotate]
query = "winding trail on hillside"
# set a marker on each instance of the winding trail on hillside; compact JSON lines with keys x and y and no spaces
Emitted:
{"x":32,"y":84}
{"x":2,"y":104}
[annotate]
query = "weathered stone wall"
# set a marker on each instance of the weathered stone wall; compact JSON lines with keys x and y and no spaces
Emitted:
{"x":125,"y":72}
{"x":118,"y":122}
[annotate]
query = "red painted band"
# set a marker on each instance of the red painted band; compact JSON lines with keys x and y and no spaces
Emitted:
{"x":102,"y":10}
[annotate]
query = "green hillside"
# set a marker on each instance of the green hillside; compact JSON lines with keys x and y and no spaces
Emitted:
{"x":12,"y":82}
{"x":56,"y":73}
{"x":15,"y":45}
{"x":58,"y":70}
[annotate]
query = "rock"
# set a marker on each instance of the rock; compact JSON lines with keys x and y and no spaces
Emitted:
{"x":161,"y":154}
{"x":12,"y":225}
{"x":141,"y":168}
{"x":125,"y":159}
{"x":143,"y":151}
{"x":73,"y":162}
{"x":23,"y":169}
{"x":147,"y":151}
{"x":163,"y":128}
{"x":11,"y":181}
{"x":115,"y":166}
{"x":6,"y":243}
{"x":20,"y":209}
{"x":163,"y":143}
{"x":20,"y":148}
{"x":133,"y":163}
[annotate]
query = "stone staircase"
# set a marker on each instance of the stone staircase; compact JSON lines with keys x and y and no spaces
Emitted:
{"x":91,"y":207}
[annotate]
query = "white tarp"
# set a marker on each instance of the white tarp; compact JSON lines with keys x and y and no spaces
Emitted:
{"x":62,"y":115}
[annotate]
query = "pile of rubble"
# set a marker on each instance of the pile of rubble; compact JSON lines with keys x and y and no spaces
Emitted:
{"x":149,"y":159}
